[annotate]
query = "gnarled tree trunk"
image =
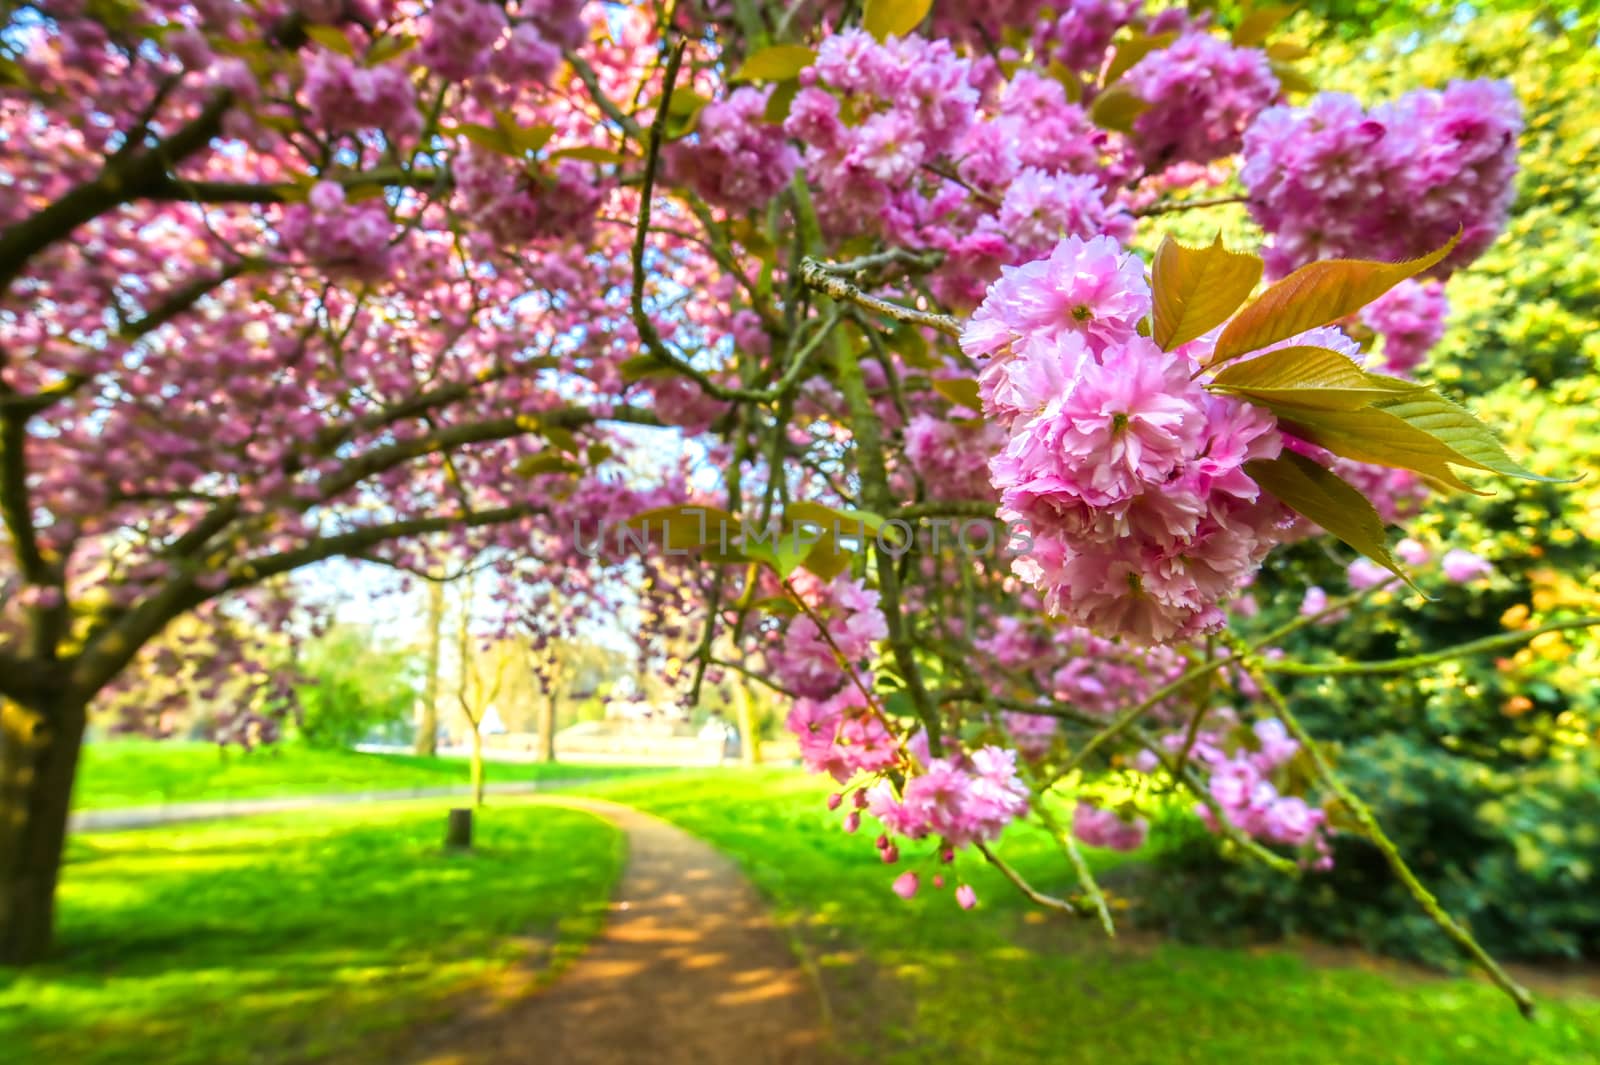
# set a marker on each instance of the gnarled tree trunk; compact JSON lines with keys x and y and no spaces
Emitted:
{"x":39,"y":747}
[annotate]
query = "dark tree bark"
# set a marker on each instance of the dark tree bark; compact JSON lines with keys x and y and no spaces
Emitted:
{"x":39,"y":747}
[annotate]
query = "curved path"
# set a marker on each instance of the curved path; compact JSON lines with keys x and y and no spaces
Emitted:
{"x":690,"y":970}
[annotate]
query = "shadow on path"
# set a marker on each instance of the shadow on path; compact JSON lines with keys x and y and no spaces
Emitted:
{"x":689,"y":970}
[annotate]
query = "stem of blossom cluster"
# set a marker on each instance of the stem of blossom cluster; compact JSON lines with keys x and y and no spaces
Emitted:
{"x":1078,"y":908}
{"x":1405,"y":665}
{"x":1375,"y":834}
{"x":816,"y":275}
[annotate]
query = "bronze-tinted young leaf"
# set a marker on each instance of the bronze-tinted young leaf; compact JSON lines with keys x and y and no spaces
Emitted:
{"x":391,"y":47}
{"x":1287,"y":51}
{"x":780,"y":62}
{"x":589,"y":153}
{"x":1316,"y":294}
{"x":332,"y":38}
{"x":893,"y":18}
{"x":546,"y":462}
{"x":1116,"y":109}
{"x":1290,"y":78}
{"x":1197,"y":288}
{"x":641,"y":366}
{"x":962,"y":391}
{"x":1307,"y":377}
{"x":1133,"y":49}
{"x":1255,"y":26}
{"x":687,"y":528}
{"x":1325,"y":498}
{"x":781,"y":100}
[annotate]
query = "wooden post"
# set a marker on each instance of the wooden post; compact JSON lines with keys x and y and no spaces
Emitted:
{"x":458,"y":835}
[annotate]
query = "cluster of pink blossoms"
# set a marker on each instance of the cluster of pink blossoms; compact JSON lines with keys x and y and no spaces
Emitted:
{"x":1127,"y":472}
{"x":807,"y":663}
{"x":1243,"y":787}
{"x":842,"y":735}
{"x":887,"y":124}
{"x":1078,"y":35}
{"x":1100,"y":827}
{"x":953,"y":461}
{"x":1203,"y":93}
{"x":736,"y":159}
{"x":1411,"y":318}
{"x":514,"y":206}
{"x":1331,"y":179}
{"x":347,"y":239}
{"x":343,"y":95}
{"x":460,"y":34}
{"x":961,"y":799}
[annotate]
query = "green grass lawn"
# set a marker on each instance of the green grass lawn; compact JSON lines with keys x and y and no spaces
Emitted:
{"x":287,"y":938}
{"x":920,"y":981}
{"x":122,"y":773}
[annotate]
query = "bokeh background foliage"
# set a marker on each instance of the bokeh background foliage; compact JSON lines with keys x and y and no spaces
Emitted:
{"x":1485,"y":771}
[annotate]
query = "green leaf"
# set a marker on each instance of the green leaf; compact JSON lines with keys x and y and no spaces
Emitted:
{"x":1308,"y":377}
{"x":1116,"y":109}
{"x":641,"y":366}
{"x":1458,"y":429}
{"x":488,"y":138}
{"x":819,"y":514}
{"x":332,"y":38}
{"x":1323,"y":497}
{"x":1417,"y":429}
{"x":1130,"y":51}
{"x":1257,"y":24}
{"x":690,"y":528}
{"x":1197,"y":288}
{"x":561,"y":437}
{"x":893,"y":18}
{"x":386,"y":48}
{"x":1316,"y":294}
{"x":962,"y":391}
{"x":780,"y":101}
{"x":524,"y":140}
{"x":780,"y":62}
{"x":546,"y":462}
{"x":589,"y":153}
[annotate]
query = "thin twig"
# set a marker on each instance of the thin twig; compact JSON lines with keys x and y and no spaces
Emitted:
{"x":1405,"y":665}
{"x":817,"y":275}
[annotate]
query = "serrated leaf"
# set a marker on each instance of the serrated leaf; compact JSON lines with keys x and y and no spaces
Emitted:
{"x":385,"y":49}
{"x":1316,"y":294}
{"x":962,"y":391}
{"x":1290,"y":79}
{"x":893,"y":18}
{"x":1308,"y":377}
{"x":780,"y":62}
{"x":1458,"y":429}
{"x":1196,"y":289}
{"x":1117,"y":109}
{"x":1130,"y":51}
{"x":1257,"y":24}
{"x":332,"y":38}
{"x":589,"y":153}
{"x":1325,"y":498}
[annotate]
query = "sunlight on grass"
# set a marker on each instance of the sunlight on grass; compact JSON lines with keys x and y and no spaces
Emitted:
{"x":122,"y":773}
{"x":916,"y":981}
{"x":287,"y":938}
